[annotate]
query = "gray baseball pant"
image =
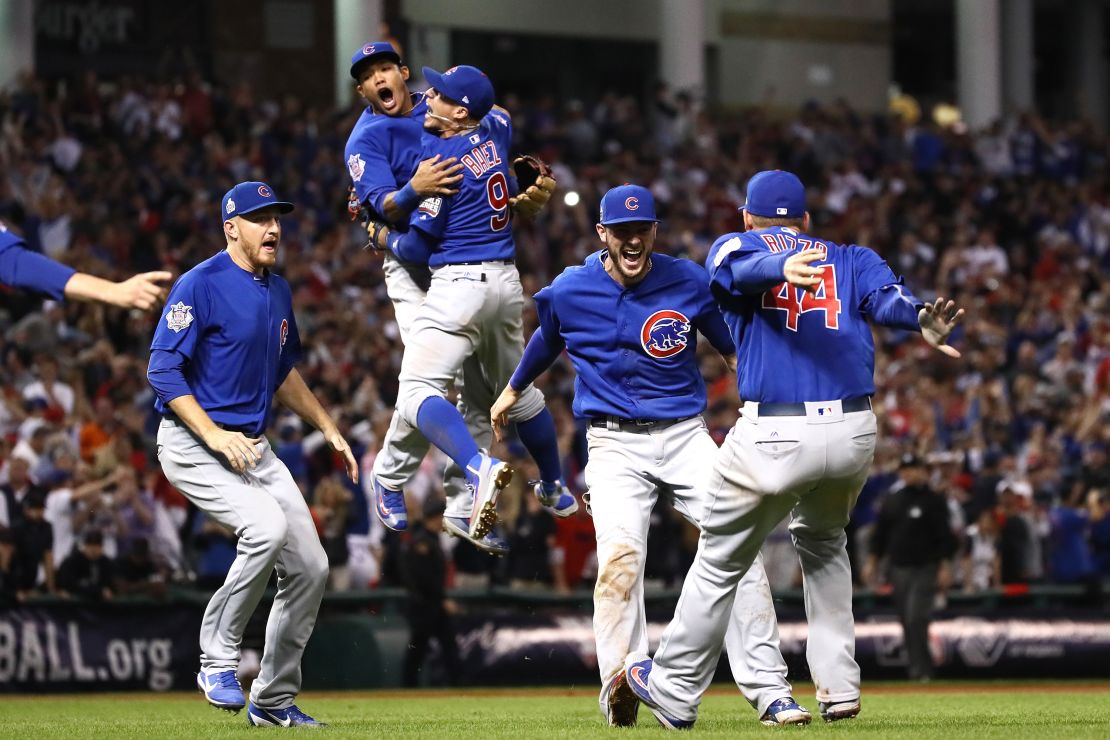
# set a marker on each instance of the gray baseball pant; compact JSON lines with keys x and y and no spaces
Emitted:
{"x":266,"y":510}
{"x":812,"y":467}
{"x":404,"y":447}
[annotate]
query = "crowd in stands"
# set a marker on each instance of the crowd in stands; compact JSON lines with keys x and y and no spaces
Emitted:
{"x":121,"y":175}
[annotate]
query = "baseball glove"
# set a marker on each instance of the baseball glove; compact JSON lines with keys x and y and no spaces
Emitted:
{"x":354,"y":206}
{"x":537,"y":184}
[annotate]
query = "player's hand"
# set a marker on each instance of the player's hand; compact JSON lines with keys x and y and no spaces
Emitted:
{"x":143,"y":291}
{"x":534,"y":198}
{"x":240,"y":451}
{"x":499,"y":414}
{"x":800,"y":274}
{"x":337,"y":443}
{"x":937,"y":321}
{"x":436,"y":177}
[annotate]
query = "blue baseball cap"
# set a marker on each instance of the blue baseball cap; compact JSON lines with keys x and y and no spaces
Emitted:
{"x":468,"y":86}
{"x":776,"y":194}
{"x":247,"y":197}
{"x":370,"y":50}
{"x":626,"y":203}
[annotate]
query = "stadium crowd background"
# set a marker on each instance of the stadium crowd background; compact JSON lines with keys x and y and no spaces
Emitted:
{"x":116,"y":176}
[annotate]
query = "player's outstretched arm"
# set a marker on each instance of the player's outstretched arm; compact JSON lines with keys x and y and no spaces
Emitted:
{"x":499,"y":414}
{"x":937,"y":321}
{"x":537,"y":184}
{"x":143,"y":291}
{"x":295,"y":394}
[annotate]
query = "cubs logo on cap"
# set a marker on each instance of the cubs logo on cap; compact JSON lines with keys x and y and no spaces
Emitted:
{"x":371,"y":50}
{"x":627,"y":203}
{"x":775,"y":194}
{"x":247,"y":197}
{"x":466,"y":85}
{"x":665,"y":333}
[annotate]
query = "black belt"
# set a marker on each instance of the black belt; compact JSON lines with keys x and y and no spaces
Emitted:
{"x":636,"y":425}
{"x":249,"y":431}
{"x":847,"y":406}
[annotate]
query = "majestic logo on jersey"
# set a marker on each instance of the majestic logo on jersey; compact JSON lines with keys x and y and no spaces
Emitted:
{"x":632,"y":203}
{"x":230,"y":206}
{"x":179,"y":317}
{"x":430,"y":206}
{"x":284,"y":332}
{"x":265,"y":192}
{"x":665,"y":334}
{"x":356,"y":166}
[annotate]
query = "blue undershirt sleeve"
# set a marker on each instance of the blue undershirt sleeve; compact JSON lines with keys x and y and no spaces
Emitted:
{"x":22,"y":268}
{"x":539,"y":355}
{"x":166,"y":374}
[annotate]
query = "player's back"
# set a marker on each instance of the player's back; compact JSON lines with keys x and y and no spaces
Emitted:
{"x":473,"y":225}
{"x":792,"y":345}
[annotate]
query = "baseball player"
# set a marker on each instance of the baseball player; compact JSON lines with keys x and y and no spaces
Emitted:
{"x":797,"y":307}
{"x":226,"y":347}
{"x":472,"y":312}
{"x":629,"y":320}
{"x":22,"y":268}
{"x":388,"y":181}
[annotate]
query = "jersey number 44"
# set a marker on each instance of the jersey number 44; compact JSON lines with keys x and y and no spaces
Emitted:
{"x":796,"y":301}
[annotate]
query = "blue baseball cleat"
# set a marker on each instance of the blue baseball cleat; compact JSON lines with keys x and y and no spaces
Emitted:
{"x":289,"y":717}
{"x":459,"y":526}
{"x":832,"y":711}
{"x":221,"y":689}
{"x":559,"y":501}
{"x":785,"y":711}
{"x":487,"y":476}
{"x":637,"y":674}
{"x":391,"y":507}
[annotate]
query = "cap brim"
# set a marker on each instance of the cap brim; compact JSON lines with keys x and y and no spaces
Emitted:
{"x":282,"y":206}
{"x":628,"y":220}
{"x":435,"y":79}
{"x":389,"y":54}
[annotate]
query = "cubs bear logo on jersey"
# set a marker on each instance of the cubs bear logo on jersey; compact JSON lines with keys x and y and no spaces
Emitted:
{"x":665,"y":334}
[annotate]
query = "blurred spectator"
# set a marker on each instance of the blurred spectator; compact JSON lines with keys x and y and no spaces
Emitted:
{"x":913,"y":531}
{"x":46,"y":387}
{"x":1071,"y":559}
{"x":982,"y":565}
{"x":15,"y":492}
{"x":1015,"y":540}
{"x":535,"y":559}
{"x":215,"y":548}
{"x":8,"y":587}
{"x":137,"y":573}
{"x":34,"y":558}
{"x":87,"y":573}
{"x":330,"y":509}
{"x":424,"y":573}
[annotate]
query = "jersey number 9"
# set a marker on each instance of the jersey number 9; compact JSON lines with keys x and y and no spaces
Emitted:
{"x":497,"y":193}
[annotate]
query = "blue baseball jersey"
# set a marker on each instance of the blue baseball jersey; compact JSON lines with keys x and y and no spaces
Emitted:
{"x":383,"y":152}
{"x":634,"y":349}
{"x":474,"y":224}
{"x":235,"y":336}
{"x":795,"y":346}
{"x":22,"y":268}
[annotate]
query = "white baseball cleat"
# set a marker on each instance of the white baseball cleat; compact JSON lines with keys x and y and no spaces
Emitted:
{"x":487,"y":477}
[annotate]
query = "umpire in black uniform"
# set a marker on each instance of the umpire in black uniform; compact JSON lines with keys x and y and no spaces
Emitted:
{"x":913,"y":531}
{"x":424,"y":574}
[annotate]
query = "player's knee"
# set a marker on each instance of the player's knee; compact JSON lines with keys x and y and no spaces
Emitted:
{"x":617,"y":572}
{"x":410,"y":397}
{"x":268,"y":534}
{"x":530,"y":403}
{"x":316,"y":565}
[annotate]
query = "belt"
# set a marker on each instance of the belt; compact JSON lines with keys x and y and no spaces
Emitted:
{"x":616,"y":423}
{"x":249,"y":431}
{"x":847,"y":405}
{"x":472,"y":263}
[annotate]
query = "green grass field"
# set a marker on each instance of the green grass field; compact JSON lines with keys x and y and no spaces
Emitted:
{"x":943,"y":710}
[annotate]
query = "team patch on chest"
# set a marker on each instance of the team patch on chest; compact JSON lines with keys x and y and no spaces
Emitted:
{"x":665,"y":333}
